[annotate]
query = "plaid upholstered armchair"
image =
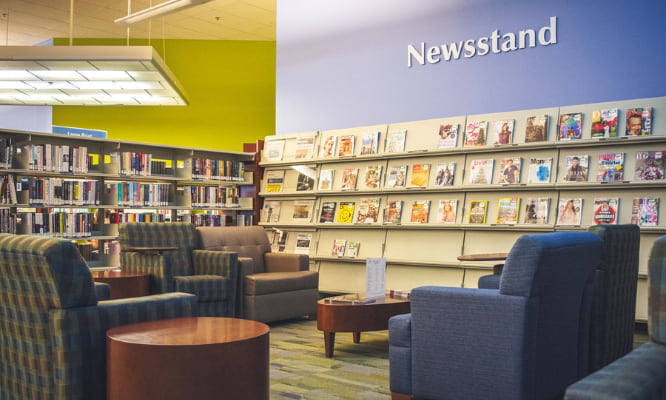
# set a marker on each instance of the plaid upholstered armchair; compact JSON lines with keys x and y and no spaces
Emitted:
{"x":210,"y":275}
{"x":52,"y":327}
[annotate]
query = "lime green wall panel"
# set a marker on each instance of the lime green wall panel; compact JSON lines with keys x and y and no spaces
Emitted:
{"x":231,"y":92}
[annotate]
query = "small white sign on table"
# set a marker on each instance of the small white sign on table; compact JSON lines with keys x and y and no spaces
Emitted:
{"x":375,"y":282}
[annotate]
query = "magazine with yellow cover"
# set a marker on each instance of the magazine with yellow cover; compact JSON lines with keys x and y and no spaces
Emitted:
{"x":477,"y":211}
{"x":346,"y":212}
{"x":507,"y":210}
{"x":420,"y":174}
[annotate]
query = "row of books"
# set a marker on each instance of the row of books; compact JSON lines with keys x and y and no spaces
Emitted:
{"x":58,"y":158}
{"x":6,"y":152}
{"x":7,"y":221}
{"x":143,"y":194}
{"x":118,"y":217}
{"x":210,"y":196}
{"x":61,"y":191}
{"x":7,"y":190}
{"x":225,"y":170}
{"x":59,"y":224}
{"x":141,"y":164}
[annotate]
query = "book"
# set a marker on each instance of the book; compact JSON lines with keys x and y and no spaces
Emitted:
{"x":393,"y":212}
{"x":639,"y":121}
{"x":328,"y":147}
{"x":604,"y":123}
{"x":420,"y":174}
{"x":448,"y":136}
{"x":397,"y":176}
{"x":274,"y":149}
{"x":349,"y":176}
{"x":502,"y":132}
{"x":346,"y":146}
{"x":302,"y":211}
{"x":346,"y":212}
{"x":605,"y":211}
{"x":509,"y":171}
{"x":395,"y":141}
{"x":447,"y":211}
{"x":279,"y":243}
{"x":274,"y":180}
{"x":327,"y":214}
{"x":354,"y":298}
{"x":420,"y":210}
{"x":368,"y":211}
{"x":326,"y":179}
{"x":645,"y":211}
{"x":370,"y":143}
{"x":536,"y":210}
{"x":445,"y":174}
{"x":539,"y":171}
{"x":571,"y":126}
{"x":569,"y":211}
{"x":270,"y":213}
{"x":304,"y":147}
{"x":507,"y":210}
{"x":352,"y":249}
{"x":649,"y":165}
{"x":306,"y":179}
{"x":536,"y":129}
{"x":577,"y":168}
{"x":373,"y":175}
{"x":475,"y":133}
{"x":477,"y":211}
{"x":611,"y":167}
{"x":481,"y":172}
{"x":303,"y":241}
{"x":339,"y":247}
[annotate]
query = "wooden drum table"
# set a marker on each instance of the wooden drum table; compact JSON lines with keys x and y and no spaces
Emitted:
{"x":124,"y":284}
{"x":188,"y":358}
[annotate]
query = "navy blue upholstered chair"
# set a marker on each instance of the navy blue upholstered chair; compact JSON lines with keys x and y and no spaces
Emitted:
{"x":527,"y":340}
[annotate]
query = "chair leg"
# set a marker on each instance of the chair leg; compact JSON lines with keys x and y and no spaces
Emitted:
{"x":400,"y":396}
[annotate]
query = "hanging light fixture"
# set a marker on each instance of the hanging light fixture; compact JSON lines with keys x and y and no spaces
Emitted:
{"x":159,"y":10}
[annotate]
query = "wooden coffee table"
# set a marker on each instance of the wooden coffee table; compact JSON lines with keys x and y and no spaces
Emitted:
{"x":124,"y":284}
{"x":484,"y":257}
{"x":188,"y":358}
{"x":356,"y":318}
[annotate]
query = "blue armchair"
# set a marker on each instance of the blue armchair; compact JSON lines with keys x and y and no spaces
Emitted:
{"x":527,"y":340}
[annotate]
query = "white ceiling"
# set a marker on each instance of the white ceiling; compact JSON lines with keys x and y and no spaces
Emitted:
{"x":29,"y":22}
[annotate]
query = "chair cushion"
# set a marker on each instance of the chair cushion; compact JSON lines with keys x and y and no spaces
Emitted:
{"x":277,"y":282}
{"x":205,"y":287}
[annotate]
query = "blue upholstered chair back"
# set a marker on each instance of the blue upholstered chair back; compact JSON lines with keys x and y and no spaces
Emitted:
{"x":657,"y":292}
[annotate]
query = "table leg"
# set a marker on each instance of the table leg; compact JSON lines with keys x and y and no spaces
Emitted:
{"x":356,"y":337}
{"x":329,"y":343}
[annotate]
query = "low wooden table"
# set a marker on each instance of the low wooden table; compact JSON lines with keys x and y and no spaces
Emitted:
{"x":188,"y":358}
{"x":356,"y":318}
{"x":124,"y":284}
{"x":152,"y":249}
{"x":484,"y":257}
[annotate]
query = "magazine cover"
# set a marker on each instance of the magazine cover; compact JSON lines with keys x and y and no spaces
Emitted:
{"x":475,"y":133}
{"x":639,"y":121}
{"x":270,"y":213}
{"x":481,"y":172}
{"x":393,"y":212}
{"x":649,"y":165}
{"x":502,"y":132}
{"x":448,"y":136}
{"x":605,"y":211}
{"x":328,"y":146}
{"x":373,"y":175}
{"x":346,"y":212}
{"x":339,"y":247}
{"x":327,"y":215}
{"x":273,"y":150}
{"x":397,"y":176}
{"x":346,"y":146}
{"x":477,"y":211}
{"x":395,"y":141}
{"x":536,"y":129}
{"x":352,"y":249}
{"x":274,"y":180}
{"x":645,"y":211}
{"x":420,"y":174}
{"x":279,"y":241}
{"x":447,"y":211}
{"x":305,"y":147}
{"x":577,"y":167}
{"x":349,"y":176}
{"x":306,"y":180}
{"x":571,"y":126}
{"x":604,"y":123}
{"x":420,"y":210}
{"x":536,"y":210}
{"x":569,"y":211}
{"x":303,"y":241}
{"x":326,"y":179}
{"x":370,"y":143}
{"x":540,"y":170}
{"x":303,"y":211}
{"x":611,"y":167}
{"x":445,"y":174}
{"x":368,"y":211}
{"x":507,"y":210}
{"x":509,"y":171}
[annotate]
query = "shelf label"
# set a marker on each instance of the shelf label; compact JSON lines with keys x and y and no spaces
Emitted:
{"x":83,"y":132}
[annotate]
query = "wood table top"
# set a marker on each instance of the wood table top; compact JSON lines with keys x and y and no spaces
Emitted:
{"x":116,"y":273}
{"x":152,"y":248}
{"x":483,"y":257}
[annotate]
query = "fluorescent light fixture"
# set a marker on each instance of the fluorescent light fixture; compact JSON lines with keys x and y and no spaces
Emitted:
{"x":159,"y":10}
{"x":65,"y":75}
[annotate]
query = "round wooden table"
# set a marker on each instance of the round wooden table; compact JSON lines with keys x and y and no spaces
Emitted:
{"x":123,"y":284}
{"x":188,"y":358}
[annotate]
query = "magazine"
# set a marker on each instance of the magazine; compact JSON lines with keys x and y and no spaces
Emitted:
{"x":477,"y":211}
{"x":481,"y":172}
{"x":346,"y":146}
{"x":326,"y":179}
{"x":368,"y":211}
{"x":639,"y":121}
{"x":649,"y":165}
{"x":448,"y":136}
{"x":279,"y":241}
{"x":274,"y":149}
{"x":540,"y":170}
{"x":270,"y":213}
{"x":349,"y":176}
{"x":303,"y":211}
{"x":339,"y":247}
{"x":536,"y":210}
{"x":328,"y":146}
{"x":571,"y":126}
{"x":445,"y":174}
{"x":604,"y":123}
{"x":346,"y":212}
{"x":536,"y":129}
{"x":303,"y":241}
{"x":274,"y":180}
{"x":475,"y":133}
{"x":577,"y":168}
{"x":420,"y":211}
{"x":502,"y":132}
{"x":370,"y":143}
{"x":569,"y":211}
{"x":447,"y":211}
{"x":393,"y":212}
{"x":395,"y":141}
{"x":305,"y":147}
{"x":507,"y":210}
{"x":327,"y":214}
{"x":352,"y":249}
{"x":397,"y":176}
{"x":420,"y":174}
{"x":306,"y":179}
{"x":605,"y":211}
{"x":373,"y":174}
{"x":611,"y":167}
{"x":645,"y":211}
{"x":509,"y":171}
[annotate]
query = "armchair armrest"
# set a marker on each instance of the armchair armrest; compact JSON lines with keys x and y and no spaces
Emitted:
{"x":400,"y":353}
{"x":286,"y":262}
{"x":156,"y":265}
{"x":103,"y":291}
{"x":245,"y":268}
{"x":208,"y":262}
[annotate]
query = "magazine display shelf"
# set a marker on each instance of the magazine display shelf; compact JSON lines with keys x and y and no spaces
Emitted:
{"x":426,"y":254}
